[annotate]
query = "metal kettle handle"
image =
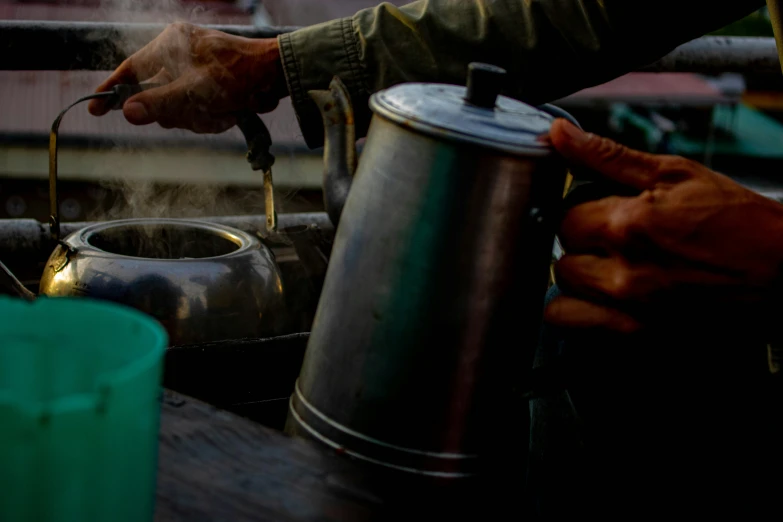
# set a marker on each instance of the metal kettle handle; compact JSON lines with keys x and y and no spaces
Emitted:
{"x":117,"y":97}
{"x":259,"y":141}
{"x":253,"y":128}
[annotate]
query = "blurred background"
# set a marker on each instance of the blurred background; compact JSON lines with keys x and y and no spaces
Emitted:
{"x":110,"y":169}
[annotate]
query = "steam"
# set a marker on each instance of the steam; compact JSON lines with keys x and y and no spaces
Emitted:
{"x":149,"y":199}
{"x":145,"y":198}
{"x":144,"y":11}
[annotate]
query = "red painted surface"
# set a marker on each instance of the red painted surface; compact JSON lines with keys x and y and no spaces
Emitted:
{"x":652,"y":85}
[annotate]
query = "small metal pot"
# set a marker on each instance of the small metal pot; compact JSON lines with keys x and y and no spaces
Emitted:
{"x":203,"y":281}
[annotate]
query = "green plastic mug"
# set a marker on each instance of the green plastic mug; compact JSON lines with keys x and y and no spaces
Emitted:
{"x":80,"y":387}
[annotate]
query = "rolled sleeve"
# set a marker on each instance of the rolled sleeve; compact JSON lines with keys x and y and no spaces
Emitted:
{"x":311,"y":58}
{"x":550,"y":48}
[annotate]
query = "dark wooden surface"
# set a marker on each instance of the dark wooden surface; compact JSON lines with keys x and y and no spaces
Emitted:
{"x":250,"y":377}
{"x":216,"y":466}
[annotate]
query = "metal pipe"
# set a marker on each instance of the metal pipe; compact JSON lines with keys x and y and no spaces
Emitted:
{"x":719,"y":54}
{"x":39,"y":45}
{"x":28,"y":239}
{"x":9,"y":282}
{"x":96,"y":46}
{"x":252,"y":224}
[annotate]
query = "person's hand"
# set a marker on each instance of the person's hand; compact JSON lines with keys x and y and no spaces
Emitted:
{"x":207,"y":75}
{"x":692,"y":248}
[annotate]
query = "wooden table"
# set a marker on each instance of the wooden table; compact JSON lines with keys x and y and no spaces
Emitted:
{"x":214,"y":465}
{"x":217,"y":466}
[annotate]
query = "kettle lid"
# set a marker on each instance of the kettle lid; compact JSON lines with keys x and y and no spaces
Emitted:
{"x":474,"y":114}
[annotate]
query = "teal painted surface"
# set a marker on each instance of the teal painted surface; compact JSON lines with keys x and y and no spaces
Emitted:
{"x":745,"y":132}
{"x":740,"y":130}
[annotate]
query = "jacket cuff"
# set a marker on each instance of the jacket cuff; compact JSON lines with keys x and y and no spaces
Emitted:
{"x":311,"y":58}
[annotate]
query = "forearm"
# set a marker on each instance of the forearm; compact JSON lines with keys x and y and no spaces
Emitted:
{"x":551,"y":48}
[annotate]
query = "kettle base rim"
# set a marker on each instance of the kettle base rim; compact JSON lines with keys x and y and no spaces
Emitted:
{"x":304,"y":420}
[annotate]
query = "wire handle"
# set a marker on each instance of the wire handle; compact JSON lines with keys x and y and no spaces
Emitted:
{"x":253,"y":128}
{"x":117,"y":96}
{"x":259,"y":141}
{"x":54,"y":202}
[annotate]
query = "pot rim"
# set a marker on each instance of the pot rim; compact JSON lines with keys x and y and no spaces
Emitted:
{"x":80,"y":239}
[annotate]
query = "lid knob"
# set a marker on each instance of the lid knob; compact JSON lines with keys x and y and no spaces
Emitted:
{"x":485,"y":82}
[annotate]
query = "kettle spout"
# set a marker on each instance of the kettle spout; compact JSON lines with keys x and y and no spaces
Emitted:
{"x":339,"y":146}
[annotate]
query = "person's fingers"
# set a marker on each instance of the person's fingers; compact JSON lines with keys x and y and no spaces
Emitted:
{"x":611,"y":279}
{"x":162,"y":77}
{"x":617,"y":280}
{"x":165,"y":102}
{"x":101,"y":106}
{"x":584,"y":226}
{"x":601,"y":225}
{"x":123,"y":74}
{"x":615,"y":161}
{"x":575,"y":313}
{"x":135,"y":69}
{"x":595,"y":277}
{"x":198,"y":121}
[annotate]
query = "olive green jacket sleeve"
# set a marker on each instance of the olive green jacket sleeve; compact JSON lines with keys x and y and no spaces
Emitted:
{"x":551,"y":48}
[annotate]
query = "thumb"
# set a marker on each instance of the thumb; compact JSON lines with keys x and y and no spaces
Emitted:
{"x":616,"y":162}
{"x":149,"y":106}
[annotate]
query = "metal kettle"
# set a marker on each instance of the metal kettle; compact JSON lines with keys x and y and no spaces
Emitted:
{"x":422,"y":345}
{"x":203,"y":281}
